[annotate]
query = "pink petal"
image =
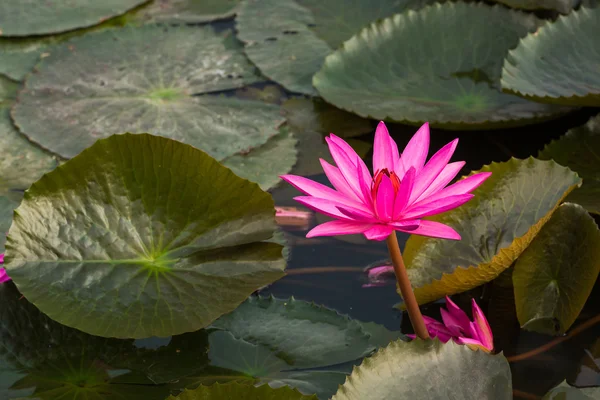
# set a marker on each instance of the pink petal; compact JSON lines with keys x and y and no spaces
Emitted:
{"x":437,"y":329}
{"x":326,"y":207}
{"x":448,"y":173}
{"x":316,"y":189}
{"x":436,"y":207}
{"x":347,"y":166}
{"x":461,"y":187}
{"x":385,"y":150}
{"x":334,"y":228}
{"x":406,"y":187}
{"x":471,"y":342}
{"x":2,"y":258}
{"x":353,"y":156}
{"x":450,"y":323}
{"x":364,"y":182}
{"x":358,"y":215}
{"x":3,"y":276}
{"x":384,"y":202}
{"x":456,"y":316}
{"x":338,"y":181}
{"x":434,"y":229}
{"x":378,"y":232}
{"x":415,"y":152}
{"x":483,"y":328}
{"x":433,"y":169}
{"x":406,"y":226}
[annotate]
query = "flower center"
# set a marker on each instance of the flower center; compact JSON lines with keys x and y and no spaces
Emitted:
{"x":377,"y":181}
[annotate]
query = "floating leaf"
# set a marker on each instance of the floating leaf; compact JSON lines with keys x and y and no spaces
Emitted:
{"x":188,"y":11}
{"x":562,"y":6}
{"x":559,"y":62}
{"x":496,"y":226}
{"x":564,"y":391}
{"x":239,"y":391}
{"x":288,"y":40}
{"x":138,"y":231}
{"x":8,"y":90}
{"x":428,"y":370}
{"x":265,"y":164}
{"x":266,"y":366}
{"x":555,"y":275}
{"x":141,"y":80}
{"x":303,"y":334}
{"x":449,"y":77}
{"x":32,"y":17}
{"x":7,"y":206}
{"x":579,"y":150}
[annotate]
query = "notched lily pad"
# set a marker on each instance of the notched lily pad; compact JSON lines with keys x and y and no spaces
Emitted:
{"x":496,"y":226}
{"x":32,"y":17}
{"x":564,"y":391}
{"x":428,"y":370}
{"x":562,"y":6}
{"x":555,"y":275}
{"x":142,"y":80}
{"x":559,"y":62}
{"x":129,"y":237}
{"x":239,"y":391}
{"x":379,"y":74}
{"x":188,"y":11}
{"x":579,"y":149}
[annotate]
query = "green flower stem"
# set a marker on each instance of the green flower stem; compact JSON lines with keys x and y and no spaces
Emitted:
{"x":414,"y":313}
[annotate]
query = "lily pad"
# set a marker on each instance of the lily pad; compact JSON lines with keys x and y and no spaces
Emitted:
{"x":559,"y":63}
{"x":138,"y":231}
{"x":8,"y":90}
{"x":288,"y":40}
{"x":266,"y":366}
{"x":579,"y":149}
{"x":188,"y":11}
{"x":428,"y":370}
{"x":555,"y":275}
{"x":31,"y":17}
{"x":562,"y":6}
{"x":449,"y":77}
{"x":303,"y":334}
{"x":142,"y":80}
{"x":21,"y":163}
{"x":564,"y":391}
{"x":265,"y":164}
{"x":496,"y":226}
{"x":239,"y":391}
{"x":7,"y":206}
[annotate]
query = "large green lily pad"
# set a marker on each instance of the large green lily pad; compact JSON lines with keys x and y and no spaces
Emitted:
{"x":496,"y":226}
{"x":235,"y":390}
{"x":428,"y":370}
{"x":142,"y":80}
{"x":32,"y":17}
{"x":450,"y":76}
{"x":288,"y":40}
{"x":562,"y":6}
{"x":42,"y":359}
{"x":8,"y":90}
{"x":559,"y":63}
{"x":188,"y":11}
{"x":131,"y":236}
{"x":303,"y":334}
{"x":564,"y":391}
{"x":237,"y":359}
{"x":555,"y":275}
{"x":579,"y":149}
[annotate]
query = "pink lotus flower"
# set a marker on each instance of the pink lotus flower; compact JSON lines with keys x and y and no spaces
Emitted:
{"x":457,"y":326}
{"x":402,"y":191}
{"x":3,"y":275}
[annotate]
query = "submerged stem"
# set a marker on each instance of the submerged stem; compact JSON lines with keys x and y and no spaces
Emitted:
{"x":414,"y":313}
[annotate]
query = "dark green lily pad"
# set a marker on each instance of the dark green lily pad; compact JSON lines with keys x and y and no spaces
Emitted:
{"x":429,"y":370}
{"x":562,"y":6}
{"x":288,"y":40}
{"x":8,"y":90}
{"x":302,"y":334}
{"x":239,"y":391}
{"x":135,"y":233}
{"x":265,"y":164}
{"x":32,"y":17}
{"x":266,"y":366}
{"x":7,"y":206}
{"x":496,"y":226}
{"x":450,"y":76}
{"x":564,"y":391}
{"x":142,"y":80}
{"x":579,"y":149}
{"x":188,"y":11}
{"x":555,"y":275}
{"x":559,"y":63}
